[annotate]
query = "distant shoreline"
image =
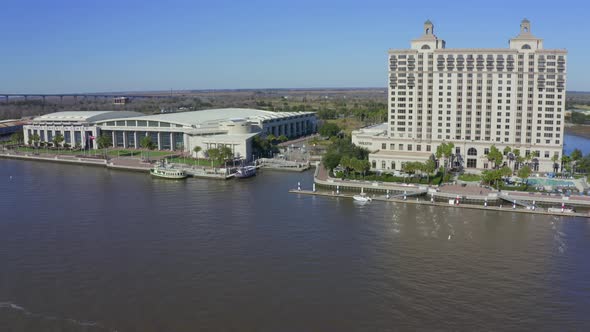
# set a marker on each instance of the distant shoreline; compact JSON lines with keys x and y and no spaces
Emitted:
{"x":578,"y":130}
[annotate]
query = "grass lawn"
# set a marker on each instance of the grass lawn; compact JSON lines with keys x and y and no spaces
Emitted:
{"x":470,"y":177}
{"x":110,"y":152}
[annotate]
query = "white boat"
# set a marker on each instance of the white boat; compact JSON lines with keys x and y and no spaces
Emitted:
{"x":246,"y":172}
{"x":362,"y":198}
{"x":168,"y":173}
{"x":561,"y":209}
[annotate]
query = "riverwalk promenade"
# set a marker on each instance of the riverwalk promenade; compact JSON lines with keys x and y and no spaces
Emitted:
{"x":416,"y":200}
{"x":120,"y":163}
{"x":472,"y":194}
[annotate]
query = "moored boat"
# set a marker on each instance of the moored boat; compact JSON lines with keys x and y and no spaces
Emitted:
{"x":362,"y":198}
{"x":565,"y":209}
{"x":246,"y":172}
{"x":168,"y":173}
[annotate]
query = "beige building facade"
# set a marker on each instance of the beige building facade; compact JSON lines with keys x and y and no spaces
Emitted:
{"x":475,"y":98}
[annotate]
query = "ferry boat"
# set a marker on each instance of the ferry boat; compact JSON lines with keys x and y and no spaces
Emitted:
{"x":168,"y":173}
{"x":246,"y":172}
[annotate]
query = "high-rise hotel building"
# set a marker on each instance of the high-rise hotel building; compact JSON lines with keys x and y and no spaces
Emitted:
{"x":474,"y":98}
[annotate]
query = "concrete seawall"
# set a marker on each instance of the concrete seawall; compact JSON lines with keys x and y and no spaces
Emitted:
{"x":144,"y":168}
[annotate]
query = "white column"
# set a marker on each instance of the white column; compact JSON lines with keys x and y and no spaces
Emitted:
{"x":124,"y":139}
{"x":159,"y":143}
{"x":82,"y":139}
{"x":26,"y":134}
{"x":113,"y":137}
{"x":172,"y":142}
{"x":135,"y":143}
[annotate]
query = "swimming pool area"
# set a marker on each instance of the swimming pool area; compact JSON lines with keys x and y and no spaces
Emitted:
{"x":551,"y":182}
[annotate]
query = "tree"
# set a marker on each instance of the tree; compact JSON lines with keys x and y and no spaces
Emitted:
{"x":226,"y":153}
{"x":491,"y":176}
{"x":36,"y":138}
{"x":517,"y":158}
{"x":282,"y":138}
{"x":495,"y":156}
{"x":329,"y":129}
{"x":429,"y":168}
{"x":197,"y":149}
{"x":565,"y":163}
{"x":104,"y":141}
{"x":271,"y":137}
{"x":524,"y":172}
{"x":57,"y":140}
{"x":576,"y":155}
{"x":505,"y":171}
{"x":146,"y":143}
{"x":445,"y":150}
{"x":346,"y":163}
{"x":331,"y":159}
{"x":215,"y":156}
{"x":17,"y":138}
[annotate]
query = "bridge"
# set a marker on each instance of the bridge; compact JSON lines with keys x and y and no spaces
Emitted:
{"x":26,"y":96}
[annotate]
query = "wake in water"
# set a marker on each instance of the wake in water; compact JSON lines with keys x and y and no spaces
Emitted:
{"x":75,"y":322}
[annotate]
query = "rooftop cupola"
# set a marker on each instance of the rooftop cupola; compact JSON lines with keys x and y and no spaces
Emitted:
{"x":428,"y":41}
{"x":428,"y":28}
{"x":525,"y":41}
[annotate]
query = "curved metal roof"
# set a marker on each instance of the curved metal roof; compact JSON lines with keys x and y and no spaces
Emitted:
{"x":88,"y":116}
{"x":197,"y":118}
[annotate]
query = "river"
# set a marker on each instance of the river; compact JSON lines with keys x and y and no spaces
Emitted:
{"x":91,"y":249}
{"x":576,"y":142}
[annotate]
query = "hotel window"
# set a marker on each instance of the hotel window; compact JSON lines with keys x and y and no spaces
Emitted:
{"x":418,"y":147}
{"x":392,"y":146}
{"x":401,"y":147}
{"x":427,"y":148}
{"x":383,"y":146}
{"x":409,"y":147}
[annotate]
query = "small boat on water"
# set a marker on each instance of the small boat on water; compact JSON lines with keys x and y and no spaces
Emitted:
{"x":565,"y":209}
{"x":168,"y":173}
{"x":362,"y":198}
{"x":246,"y":172}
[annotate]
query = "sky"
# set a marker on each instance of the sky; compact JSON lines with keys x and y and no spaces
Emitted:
{"x":67,"y":46}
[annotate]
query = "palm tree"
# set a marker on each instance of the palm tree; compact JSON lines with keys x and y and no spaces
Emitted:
{"x":565,"y":161}
{"x":226,"y":153}
{"x":197,"y":149}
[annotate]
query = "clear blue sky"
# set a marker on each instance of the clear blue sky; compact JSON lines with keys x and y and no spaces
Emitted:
{"x":107,"y":45}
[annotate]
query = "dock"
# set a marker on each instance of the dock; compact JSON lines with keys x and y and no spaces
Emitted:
{"x":396,"y":199}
